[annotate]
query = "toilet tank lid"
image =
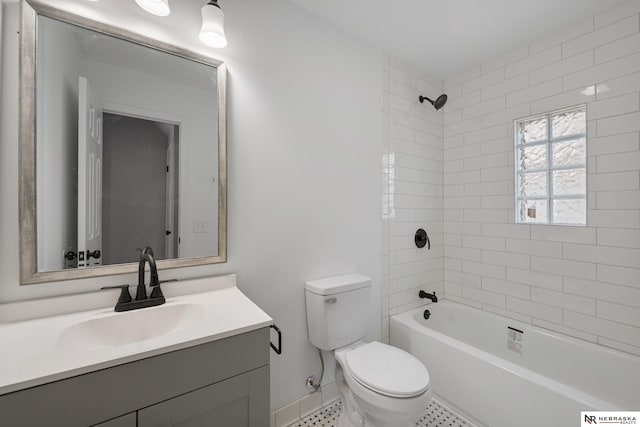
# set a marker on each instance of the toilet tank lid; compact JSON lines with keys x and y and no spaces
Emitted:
{"x":337,"y":284}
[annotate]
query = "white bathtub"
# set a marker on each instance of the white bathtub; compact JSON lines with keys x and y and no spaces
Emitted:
{"x":548,"y":383}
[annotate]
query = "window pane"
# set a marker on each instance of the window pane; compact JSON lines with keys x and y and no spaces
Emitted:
{"x":551,"y":157}
{"x":532,"y":157}
{"x":570,"y":211}
{"x":534,"y":130}
{"x":532,"y":211}
{"x":533,"y":184}
{"x":568,"y":123}
{"x":572,"y":152}
{"x":569,"y":182}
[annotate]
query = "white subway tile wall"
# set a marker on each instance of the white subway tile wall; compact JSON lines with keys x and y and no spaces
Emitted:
{"x":412,"y":178}
{"x":579,"y":281}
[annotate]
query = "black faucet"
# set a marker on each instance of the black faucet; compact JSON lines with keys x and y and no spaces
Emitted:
{"x":432,"y":297}
{"x":156,"y":298}
{"x":146,"y":255}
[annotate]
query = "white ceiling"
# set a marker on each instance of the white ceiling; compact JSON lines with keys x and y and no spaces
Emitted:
{"x":441,"y":37}
{"x":444,"y":37}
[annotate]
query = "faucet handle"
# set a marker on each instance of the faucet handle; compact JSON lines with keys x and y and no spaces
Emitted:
{"x":125,"y":296}
{"x":156,"y":292}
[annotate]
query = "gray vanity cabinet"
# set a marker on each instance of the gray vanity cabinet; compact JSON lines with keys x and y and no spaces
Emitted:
{"x":129,"y":420}
{"x":220,"y":383}
{"x":234,"y":402}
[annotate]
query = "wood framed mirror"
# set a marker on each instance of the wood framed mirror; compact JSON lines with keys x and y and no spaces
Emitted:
{"x":122,"y":145}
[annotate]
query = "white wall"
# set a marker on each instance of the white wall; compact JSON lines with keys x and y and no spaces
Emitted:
{"x":57,"y":153}
{"x":412,"y":163}
{"x":1,"y":36}
{"x":304,"y":174}
{"x":9,"y":149}
{"x":582,"y":281}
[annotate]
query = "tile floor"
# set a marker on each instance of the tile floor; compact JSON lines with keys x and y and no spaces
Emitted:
{"x":325,"y":417}
{"x":436,"y":415}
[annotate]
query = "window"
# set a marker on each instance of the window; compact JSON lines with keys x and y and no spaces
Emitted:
{"x":551,"y":172}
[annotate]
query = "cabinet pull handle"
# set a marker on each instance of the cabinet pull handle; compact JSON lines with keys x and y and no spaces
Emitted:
{"x":278,"y":349}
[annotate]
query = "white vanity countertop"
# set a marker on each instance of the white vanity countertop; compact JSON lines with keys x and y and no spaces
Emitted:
{"x":39,"y":351}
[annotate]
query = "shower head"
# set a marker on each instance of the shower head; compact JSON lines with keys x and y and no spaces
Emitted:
{"x":438,"y":103}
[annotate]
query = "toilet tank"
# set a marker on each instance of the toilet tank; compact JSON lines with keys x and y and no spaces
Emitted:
{"x":337,"y":310}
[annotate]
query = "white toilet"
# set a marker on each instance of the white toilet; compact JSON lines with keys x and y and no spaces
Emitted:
{"x":380,"y":385}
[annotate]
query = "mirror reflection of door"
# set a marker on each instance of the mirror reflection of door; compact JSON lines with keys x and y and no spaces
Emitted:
{"x":171,"y":207}
{"x":179,"y":218}
{"x":140,"y":191}
{"x":90,"y":124}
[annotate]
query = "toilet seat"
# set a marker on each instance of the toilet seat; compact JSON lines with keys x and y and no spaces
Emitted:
{"x":387,"y":370}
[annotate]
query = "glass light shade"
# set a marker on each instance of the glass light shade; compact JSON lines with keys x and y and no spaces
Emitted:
{"x":212,"y":32}
{"x":156,"y":7}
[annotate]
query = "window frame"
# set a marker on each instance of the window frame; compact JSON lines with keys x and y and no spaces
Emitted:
{"x":550,"y":168}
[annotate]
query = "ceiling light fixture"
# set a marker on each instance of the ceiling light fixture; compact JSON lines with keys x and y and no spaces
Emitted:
{"x":156,"y":7}
{"x":212,"y":32}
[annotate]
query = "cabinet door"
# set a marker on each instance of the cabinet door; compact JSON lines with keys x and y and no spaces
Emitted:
{"x":128,"y":420}
{"x":241,"y":401}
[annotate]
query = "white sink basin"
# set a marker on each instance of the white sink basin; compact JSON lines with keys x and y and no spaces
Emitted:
{"x":40,"y":350}
{"x":118,"y":329}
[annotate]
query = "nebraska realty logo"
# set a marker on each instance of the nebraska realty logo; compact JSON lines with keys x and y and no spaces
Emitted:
{"x":593,"y":418}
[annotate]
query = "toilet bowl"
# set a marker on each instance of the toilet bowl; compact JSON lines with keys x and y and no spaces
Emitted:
{"x":380,"y":385}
